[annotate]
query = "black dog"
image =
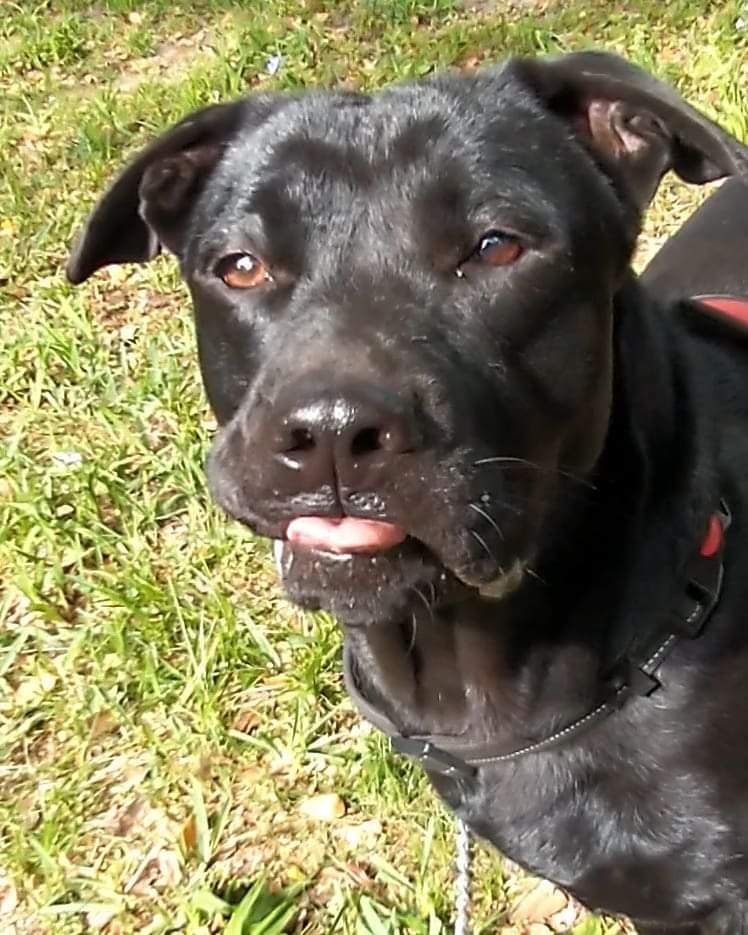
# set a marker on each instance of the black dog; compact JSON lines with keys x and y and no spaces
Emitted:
{"x":505,"y":464}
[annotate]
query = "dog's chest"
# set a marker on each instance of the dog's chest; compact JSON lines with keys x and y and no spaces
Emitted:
{"x":619,"y":841}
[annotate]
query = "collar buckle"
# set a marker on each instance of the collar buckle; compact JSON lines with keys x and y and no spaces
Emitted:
{"x":704,"y":572}
{"x":627,"y":679}
{"x":432,"y":758}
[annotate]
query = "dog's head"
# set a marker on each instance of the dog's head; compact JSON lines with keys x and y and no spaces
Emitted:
{"x":404,"y":307}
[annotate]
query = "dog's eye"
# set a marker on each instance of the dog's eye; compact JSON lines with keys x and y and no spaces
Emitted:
{"x":242,"y":271}
{"x":497,"y":248}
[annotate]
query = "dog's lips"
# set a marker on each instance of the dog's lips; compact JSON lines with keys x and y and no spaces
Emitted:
{"x":284,"y":553}
{"x":361,"y":588}
{"x":345,"y":536}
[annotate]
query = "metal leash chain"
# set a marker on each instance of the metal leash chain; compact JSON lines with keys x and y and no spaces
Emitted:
{"x":463,"y":880}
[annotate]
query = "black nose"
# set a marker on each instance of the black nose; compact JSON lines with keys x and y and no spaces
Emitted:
{"x":348,"y":438}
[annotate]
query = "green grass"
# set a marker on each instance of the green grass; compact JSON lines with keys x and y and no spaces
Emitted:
{"x":163,"y":713}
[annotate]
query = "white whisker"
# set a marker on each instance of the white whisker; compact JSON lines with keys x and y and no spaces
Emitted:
{"x":488,"y":519}
{"x":481,"y":541}
{"x":413,"y":632}
{"x":504,"y":461}
{"x":533,"y":574}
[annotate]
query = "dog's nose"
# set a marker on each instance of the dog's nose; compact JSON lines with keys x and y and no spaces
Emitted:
{"x":346,"y":438}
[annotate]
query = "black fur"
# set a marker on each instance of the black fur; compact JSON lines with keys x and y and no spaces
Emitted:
{"x":555,"y":423}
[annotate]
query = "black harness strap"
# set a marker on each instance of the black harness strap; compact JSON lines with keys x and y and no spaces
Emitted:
{"x":634,"y":674}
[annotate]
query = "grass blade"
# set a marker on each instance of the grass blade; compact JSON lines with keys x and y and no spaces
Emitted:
{"x":243,"y":911}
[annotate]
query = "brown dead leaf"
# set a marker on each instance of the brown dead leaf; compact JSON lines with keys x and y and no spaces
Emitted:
{"x":251,"y":775}
{"x":139,"y":820}
{"x":246,"y":721}
{"x":470,"y":62}
{"x":331,"y":880}
{"x":539,"y":904}
{"x":131,"y":776}
{"x":159,"y":870}
{"x":169,"y":869}
{"x":189,"y":834}
{"x":29,"y":812}
{"x":129,"y":817}
{"x":359,"y":876}
{"x":102,"y":723}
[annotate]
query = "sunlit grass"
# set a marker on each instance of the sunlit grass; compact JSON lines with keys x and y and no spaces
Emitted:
{"x":163,"y":713}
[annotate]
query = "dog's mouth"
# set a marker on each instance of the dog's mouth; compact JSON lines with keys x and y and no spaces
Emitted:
{"x":363,"y":571}
{"x":345,"y":536}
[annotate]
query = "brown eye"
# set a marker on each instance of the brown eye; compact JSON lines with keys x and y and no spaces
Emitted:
{"x":242,"y":271}
{"x":498,"y":249}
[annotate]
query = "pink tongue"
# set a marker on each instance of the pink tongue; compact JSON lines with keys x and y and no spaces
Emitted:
{"x":344,"y":535}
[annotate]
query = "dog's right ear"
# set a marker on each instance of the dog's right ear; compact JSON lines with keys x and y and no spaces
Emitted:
{"x":637,"y":127}
{"x":148,"y":205}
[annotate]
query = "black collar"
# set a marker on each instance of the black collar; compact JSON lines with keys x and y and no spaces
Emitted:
{"x":635,"y":673}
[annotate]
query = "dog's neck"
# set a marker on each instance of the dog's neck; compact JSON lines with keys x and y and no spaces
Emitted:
{"x":529,"y":663}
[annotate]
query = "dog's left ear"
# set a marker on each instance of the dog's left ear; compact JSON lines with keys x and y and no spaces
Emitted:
{"x":149,"y":205}
{"x":636,"y":126}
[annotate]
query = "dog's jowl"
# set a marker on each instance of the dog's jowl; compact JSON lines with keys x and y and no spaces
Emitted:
{"x":515,"y":472}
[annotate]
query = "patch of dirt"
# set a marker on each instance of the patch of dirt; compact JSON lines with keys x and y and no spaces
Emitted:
{"x":171,"y":59}
{"x":520,"y":7}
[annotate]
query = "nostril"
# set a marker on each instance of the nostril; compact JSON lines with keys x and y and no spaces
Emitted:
{"x":366,"y":441}
{"x":301,"y":440}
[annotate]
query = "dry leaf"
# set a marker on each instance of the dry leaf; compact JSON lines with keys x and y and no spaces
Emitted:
{"x":103,"y":722}
{"x":159,"y":870}
{"x":539,"y":904}
{"x":130,"y":777}
{"x":33,"y":688}
{"x":471,"y":63}
{"x":8,"y":897}
{"x":363,"y":833}
{"x":246,"y":721}
{"x":326,"y":807}
{"x":130,"y":816}
{"x":189,"y":834}
{"x":359,"y":876}
{"x":169,"y":869}
{"x":48,"y":680}
{"x":29,"y":814}
{"x":100,"y":917}
{"x":138,"y":820}
{"x":280,"y":680}
{"x":331,"y":880}
{"x":565,"y":919}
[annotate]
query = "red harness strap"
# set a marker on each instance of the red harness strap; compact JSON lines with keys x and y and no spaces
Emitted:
{"x":713,"y":539}
{"x":736,"y":309}
{"x":726,"y":306}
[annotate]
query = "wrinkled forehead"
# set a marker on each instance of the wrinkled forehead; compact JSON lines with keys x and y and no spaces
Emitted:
{"x":421,"y":167}
{"x":459,"y":145}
